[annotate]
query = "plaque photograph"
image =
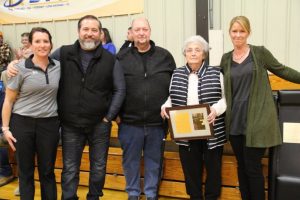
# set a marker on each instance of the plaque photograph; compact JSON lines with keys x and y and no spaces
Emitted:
{"x":189,"y":122}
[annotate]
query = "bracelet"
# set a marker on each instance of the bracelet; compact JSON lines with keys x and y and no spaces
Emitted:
{"x":5,"y":128}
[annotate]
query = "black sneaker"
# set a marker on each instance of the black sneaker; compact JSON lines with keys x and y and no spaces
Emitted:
{"x":133,"y":198}
{"x":151,"y":198}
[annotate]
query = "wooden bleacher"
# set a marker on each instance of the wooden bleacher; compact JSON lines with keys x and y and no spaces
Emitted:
{"x":172,"y":183}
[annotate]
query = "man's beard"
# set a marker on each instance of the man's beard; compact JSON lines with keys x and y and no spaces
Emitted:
{"x":89,"y":45}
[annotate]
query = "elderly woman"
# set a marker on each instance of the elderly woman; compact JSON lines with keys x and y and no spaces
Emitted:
{"x":30,"y":118}
{"x":197,"y":83}
{"x":24,"y":51}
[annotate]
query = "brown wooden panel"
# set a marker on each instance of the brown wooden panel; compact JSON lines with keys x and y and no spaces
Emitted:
{"x":230,"y":193}
{"x":117,"y":182}
{"x":167,"y":188}
{"x":114,"y":164}
{"x":281,"y":84}
{"x":172,"y":189}
{"x":229,"y":171}
{"x":114,"y":130}
{"x":172,"y":170}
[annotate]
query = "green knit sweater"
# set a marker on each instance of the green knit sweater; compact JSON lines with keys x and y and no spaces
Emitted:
{"x":262,"y":122}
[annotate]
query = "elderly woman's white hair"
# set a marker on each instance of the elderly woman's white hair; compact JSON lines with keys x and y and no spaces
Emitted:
{"x":196,"y":39}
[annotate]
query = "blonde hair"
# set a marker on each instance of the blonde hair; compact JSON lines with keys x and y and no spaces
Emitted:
{"x":243,"y":21}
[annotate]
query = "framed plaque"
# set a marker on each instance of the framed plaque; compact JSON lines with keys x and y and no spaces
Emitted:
{"x":190,"y":122}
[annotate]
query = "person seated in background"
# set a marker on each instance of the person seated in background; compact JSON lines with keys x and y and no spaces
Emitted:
{"x":5,"y":158}
{"x":129,"y":40}
{"x":21,"y":53}
{"x":107,"y":42}
{"x":6,"y":175}
{"x":25,"y":50}
{"x":5,"y":53}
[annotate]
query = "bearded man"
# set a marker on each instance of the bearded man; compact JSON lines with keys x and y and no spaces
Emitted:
{"x":91,"y":92}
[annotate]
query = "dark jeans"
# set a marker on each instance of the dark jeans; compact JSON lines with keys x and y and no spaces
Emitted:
{"x":36,"y":136}
{"x":73,"y":142}
{"x":5,"y":168}
{"x":250,"y":174}
{"x":192,"y":158}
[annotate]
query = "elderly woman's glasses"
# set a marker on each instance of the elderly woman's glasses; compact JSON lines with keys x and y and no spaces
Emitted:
{"x":190,"y":50}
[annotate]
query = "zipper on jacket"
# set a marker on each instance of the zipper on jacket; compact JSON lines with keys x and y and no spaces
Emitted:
{"x":46,"y":75}
{"x":145,"y":70}
{"x":145,"y":94}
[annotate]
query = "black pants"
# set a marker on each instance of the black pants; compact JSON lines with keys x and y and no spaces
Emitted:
{"x":192,"y":159}
{"x":250,"y":174}
{"x":73,"y":142}
{"x":36,"y":136}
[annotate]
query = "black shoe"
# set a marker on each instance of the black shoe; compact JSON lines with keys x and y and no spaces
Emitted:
{"x":133,"y":198}
{"x":151,"y":198}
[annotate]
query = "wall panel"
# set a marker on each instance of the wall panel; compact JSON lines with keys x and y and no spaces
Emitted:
{"x":276,"y":28}
{"x":257,"y":20}
{"x":293,"y":37}
{"x":19,"y":29}
{"x":157,"y":20}
{"x":120,"y":31}
{"x":174,"y":31}
{"x":228,"y":9}
{"x":189,"y":26}
{"x":10,"y":35}
{"x":171,"y":22}
{"x":73,"y":31}
{"x":275,"y":24}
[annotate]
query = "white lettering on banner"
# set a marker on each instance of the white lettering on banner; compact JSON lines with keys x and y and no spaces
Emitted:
{"x":20,"y":11}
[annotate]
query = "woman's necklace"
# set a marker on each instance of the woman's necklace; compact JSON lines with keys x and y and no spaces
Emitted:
{"x":242,"y":56}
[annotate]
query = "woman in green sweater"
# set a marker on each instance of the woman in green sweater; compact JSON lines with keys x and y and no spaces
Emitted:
{"x":251,"y":118}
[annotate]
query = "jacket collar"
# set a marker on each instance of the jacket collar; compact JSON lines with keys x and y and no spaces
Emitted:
{"x":151,"y":50}
{"x":30,"y":65}
{"x":201,"y":71}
